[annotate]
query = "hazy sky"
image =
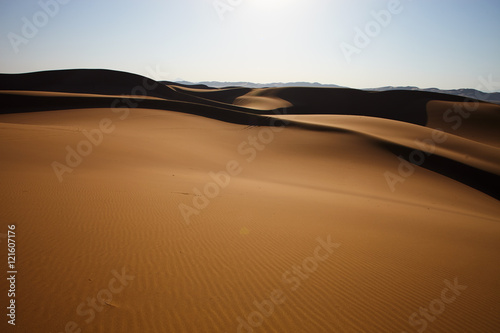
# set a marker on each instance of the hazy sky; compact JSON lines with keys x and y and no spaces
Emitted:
{"x":356,"y":43}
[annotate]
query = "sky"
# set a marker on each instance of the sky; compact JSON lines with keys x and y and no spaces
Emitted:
{"x":447,"y":44}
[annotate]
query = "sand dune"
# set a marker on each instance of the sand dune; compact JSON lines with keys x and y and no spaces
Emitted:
{"x":247,"y":210}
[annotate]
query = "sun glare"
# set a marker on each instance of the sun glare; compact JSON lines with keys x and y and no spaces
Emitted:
{"x":270,"y":4}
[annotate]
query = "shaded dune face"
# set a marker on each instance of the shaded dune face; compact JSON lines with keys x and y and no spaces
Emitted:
{"x":471,"y":156}
{"x":193,"y":209}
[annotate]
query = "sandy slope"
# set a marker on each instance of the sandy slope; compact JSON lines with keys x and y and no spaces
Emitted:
{"x":259,"y":237}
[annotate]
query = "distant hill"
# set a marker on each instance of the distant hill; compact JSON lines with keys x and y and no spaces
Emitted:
{"x":471,"y":93}
{"x":218,"y":84}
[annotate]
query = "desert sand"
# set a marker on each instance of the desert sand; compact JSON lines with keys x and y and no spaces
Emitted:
{"x":247,"y":210}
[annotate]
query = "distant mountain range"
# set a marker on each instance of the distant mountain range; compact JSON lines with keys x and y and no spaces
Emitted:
{"x":471,"y":93}
{"x":218,"y":84}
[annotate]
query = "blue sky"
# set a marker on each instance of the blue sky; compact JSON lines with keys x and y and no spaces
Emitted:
{"x":426,"y":43}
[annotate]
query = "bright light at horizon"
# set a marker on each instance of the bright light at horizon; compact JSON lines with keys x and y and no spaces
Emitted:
{"x":270,"y":4}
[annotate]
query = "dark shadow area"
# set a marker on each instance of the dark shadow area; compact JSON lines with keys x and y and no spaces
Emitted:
{"x":478,"y":179}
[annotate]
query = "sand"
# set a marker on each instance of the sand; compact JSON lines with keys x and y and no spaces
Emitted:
{"x":190,"y":213}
